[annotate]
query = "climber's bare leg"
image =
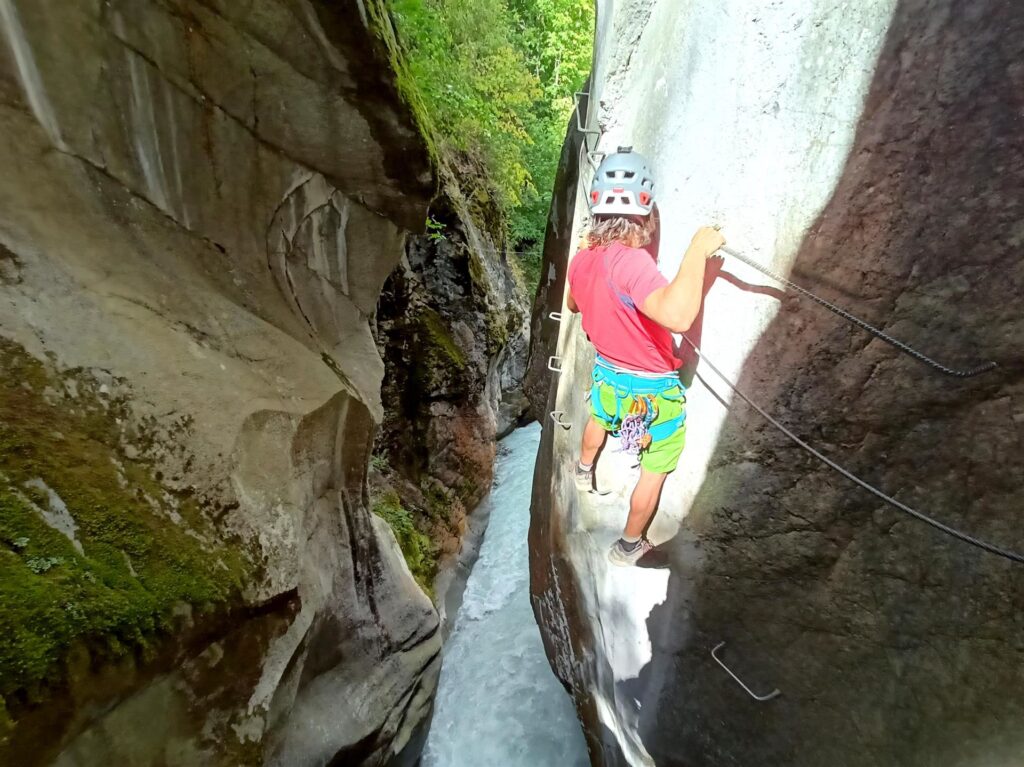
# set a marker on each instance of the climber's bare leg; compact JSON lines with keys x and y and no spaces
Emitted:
{"x":643,"y":502}
{"x":593,"y":438}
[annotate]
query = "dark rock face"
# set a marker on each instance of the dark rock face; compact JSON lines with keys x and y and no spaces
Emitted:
{"x":453,"y":336}
{"x":892,"y":644}
{"x":200,"y":202}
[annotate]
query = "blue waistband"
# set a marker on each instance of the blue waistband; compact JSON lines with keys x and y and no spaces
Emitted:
{"x":633,"y":382}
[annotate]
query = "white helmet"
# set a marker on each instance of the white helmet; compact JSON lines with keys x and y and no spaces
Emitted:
{"x":623,"y":185}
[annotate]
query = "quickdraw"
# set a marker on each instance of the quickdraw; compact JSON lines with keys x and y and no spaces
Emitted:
{"x":634,"y":432}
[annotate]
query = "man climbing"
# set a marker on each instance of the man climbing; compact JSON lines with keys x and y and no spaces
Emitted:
{"x":629,"y":312}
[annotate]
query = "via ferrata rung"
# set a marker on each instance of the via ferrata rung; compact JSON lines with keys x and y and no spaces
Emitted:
{"x":579,"y":119}
{"x":760,"y":698}
{"x":556,"y":416}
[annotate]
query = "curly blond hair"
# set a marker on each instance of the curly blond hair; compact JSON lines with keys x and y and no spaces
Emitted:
{"x":633,"y":231}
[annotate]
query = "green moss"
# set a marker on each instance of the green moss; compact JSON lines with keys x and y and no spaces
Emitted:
{"x":137,"y":565}
{"x":439,"y":502}
{"x":420,"y":552}
{"x":500,"y":321}
{"x":440,"y":339}
{"x":381,"y":24}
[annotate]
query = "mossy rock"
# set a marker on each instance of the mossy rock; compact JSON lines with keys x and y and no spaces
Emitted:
{"x":144,"y":550}
{"x":440,"y":343}
{"x":420,"y":552}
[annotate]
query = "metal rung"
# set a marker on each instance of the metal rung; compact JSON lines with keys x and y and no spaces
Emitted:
{"x":556,"y":416}
{"x":579,"y":121}
{"x":762,"y":698}
{"x":551,"y":365}
{"x":595,"y":158}
{"x":556,"y":316}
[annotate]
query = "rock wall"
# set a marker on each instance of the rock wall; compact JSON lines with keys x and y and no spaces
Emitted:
{"x":874,"y":152}
{"x":452,"y":328}
{"x":199,"y":204}
{"x":558,"y":240}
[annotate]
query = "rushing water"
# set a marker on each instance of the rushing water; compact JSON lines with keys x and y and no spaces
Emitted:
{"x":498,"y":704}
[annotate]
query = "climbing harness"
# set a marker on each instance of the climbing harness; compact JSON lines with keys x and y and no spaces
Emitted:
{"x":760,"y":698}
{"x":944,"y":528}
{"x":983,"y":368}
{"x":636,"y":429}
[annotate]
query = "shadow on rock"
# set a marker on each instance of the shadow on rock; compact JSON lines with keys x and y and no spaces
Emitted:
{"x":892,"y":645}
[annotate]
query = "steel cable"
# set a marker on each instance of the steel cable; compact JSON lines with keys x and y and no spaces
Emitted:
{"x":861,"y":323}
{"x":942,"y":527}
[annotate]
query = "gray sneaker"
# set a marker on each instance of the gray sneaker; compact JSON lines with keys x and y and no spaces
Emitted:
{"x":620,"y":554}
{"x":584,"y":478}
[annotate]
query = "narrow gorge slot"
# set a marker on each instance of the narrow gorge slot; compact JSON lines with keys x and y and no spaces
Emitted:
{"x":511,"y":383}
{"x":497,"y":700}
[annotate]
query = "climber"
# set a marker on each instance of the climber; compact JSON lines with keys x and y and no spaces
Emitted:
{"x":629,"y":312}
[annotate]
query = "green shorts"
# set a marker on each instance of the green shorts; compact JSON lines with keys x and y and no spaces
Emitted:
{"x":662,"y":455}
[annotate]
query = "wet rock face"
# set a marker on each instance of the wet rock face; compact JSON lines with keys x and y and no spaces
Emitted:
{"x":199,"y":204}
{"x":452,"y":328}
{"x":891,"y":643}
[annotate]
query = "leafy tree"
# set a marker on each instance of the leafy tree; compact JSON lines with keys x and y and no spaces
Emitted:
{"x":495,"y":82}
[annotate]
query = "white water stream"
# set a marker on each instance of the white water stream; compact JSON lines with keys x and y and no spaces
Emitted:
{"x":498,"y":703}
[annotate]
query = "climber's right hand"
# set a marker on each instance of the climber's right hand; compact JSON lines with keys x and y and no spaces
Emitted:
{"x":707,"y":240}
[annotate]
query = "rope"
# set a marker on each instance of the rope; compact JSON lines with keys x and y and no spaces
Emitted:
{"x":944,"y":528}
{"x":985,"y":367}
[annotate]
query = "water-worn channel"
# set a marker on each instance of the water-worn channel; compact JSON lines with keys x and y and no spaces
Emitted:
{"x":498,"y":702}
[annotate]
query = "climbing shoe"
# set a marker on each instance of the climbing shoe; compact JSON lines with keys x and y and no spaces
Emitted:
{"x":584,"y":478}
{"x":626,"y":554}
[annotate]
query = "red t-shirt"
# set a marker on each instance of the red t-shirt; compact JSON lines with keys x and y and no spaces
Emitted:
{"x":609,"y":284}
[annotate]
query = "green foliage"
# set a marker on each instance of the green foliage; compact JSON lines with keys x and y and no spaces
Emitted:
{"x":435,"y":229}
{"x":419,"y":551}
{"x":439,"y":503}
{"x":493,"y":82}
{"x":40,"y":565}
{"x":138,"y":563}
